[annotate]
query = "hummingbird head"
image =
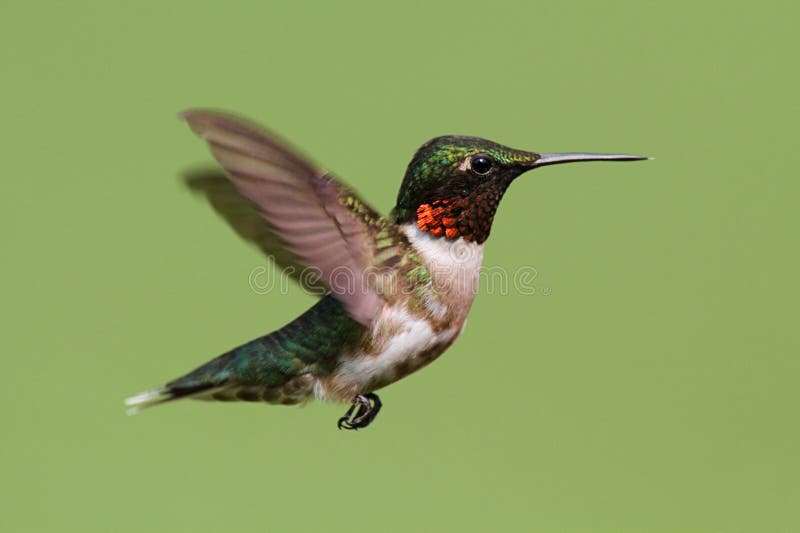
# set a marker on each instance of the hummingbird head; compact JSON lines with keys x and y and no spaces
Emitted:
{"x":453,"y":185}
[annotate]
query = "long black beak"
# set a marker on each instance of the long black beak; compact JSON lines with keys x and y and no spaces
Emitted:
{"x":573,"y":157}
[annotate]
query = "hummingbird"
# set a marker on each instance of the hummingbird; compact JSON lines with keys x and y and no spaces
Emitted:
{"x":398,"y":287}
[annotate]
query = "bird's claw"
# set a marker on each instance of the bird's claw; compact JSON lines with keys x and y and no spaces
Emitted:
{"x":366,"y":407}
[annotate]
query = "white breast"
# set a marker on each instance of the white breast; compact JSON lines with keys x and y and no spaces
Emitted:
{"x":410,"y":341}
{"x":455,"y":265}
{"x":407,"y":348}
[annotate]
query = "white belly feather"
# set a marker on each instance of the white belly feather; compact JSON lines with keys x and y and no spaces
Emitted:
{"x":455,"y":268}
{"x":414,"y":337}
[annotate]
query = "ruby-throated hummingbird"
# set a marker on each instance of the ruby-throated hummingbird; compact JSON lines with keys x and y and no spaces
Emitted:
{"x":399,"y":287}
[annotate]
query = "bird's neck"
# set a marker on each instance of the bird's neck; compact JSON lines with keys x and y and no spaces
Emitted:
{"x":454,"y":264}
{"x":457,"y":216}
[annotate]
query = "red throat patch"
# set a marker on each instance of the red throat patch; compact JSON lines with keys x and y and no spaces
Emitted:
{"x":469,"y":217}
{"x":441,"y":218}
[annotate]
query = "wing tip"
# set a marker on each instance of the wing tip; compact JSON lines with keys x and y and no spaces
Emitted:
{"x":199,"y":119}
{"x":204,"y":122}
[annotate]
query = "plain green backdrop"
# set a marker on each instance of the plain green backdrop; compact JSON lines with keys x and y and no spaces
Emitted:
{"x":648,"y":384}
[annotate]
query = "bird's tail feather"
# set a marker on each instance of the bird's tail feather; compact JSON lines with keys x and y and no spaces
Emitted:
{"x":270,"y":368}
{"x":165,"y":393}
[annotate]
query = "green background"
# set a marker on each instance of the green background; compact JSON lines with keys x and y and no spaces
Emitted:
{"x":649,"y":384}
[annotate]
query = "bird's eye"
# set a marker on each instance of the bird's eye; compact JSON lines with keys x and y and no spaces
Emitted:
{"x":481,"y":164}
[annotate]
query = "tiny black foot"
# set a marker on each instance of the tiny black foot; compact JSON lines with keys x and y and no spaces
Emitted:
{"x":368,"y":406}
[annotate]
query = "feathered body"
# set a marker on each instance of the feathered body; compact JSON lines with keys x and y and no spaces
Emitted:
{"x":327,"y":354}
{"x":400,"y":288}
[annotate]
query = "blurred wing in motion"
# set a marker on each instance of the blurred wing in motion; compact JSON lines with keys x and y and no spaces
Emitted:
{"x":319,"y":220}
